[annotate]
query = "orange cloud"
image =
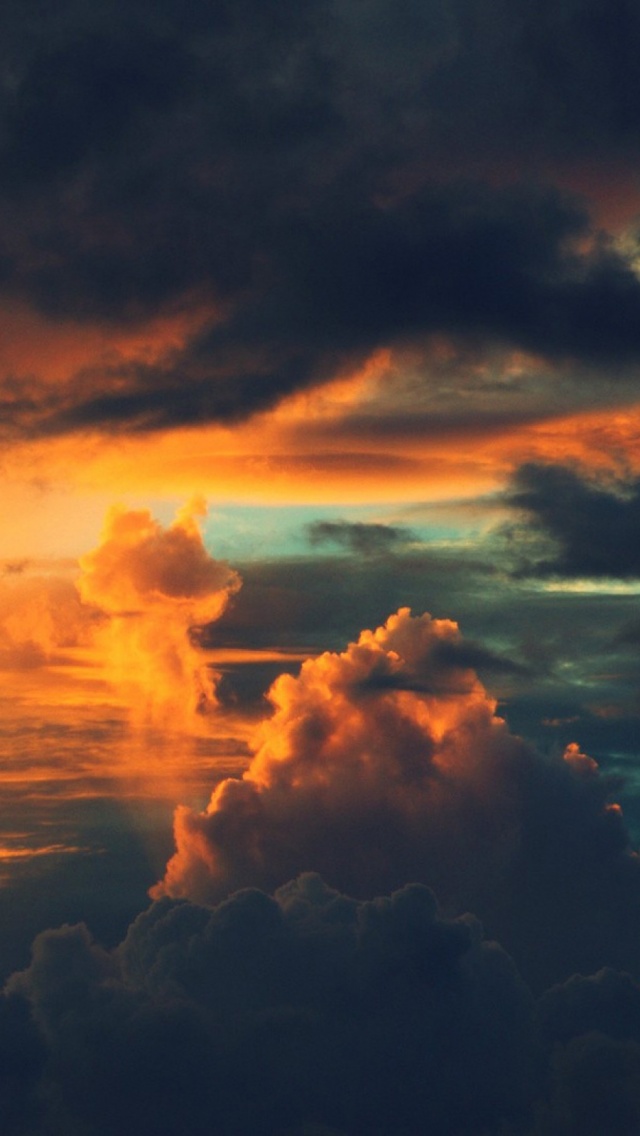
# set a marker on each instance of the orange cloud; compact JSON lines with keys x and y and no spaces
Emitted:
{"x":56,"y":350}
{"x":578,"y":760}
{"x":315,"y":448}
{"x":371,"y":733}
{"x":388,"y":763}
{"x":40,"y":618}
{"x":154,"y":585}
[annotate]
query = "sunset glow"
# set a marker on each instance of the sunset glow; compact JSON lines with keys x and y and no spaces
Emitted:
{"x":320,"y":568}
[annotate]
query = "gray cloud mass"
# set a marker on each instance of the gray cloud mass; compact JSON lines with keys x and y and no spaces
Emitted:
{"x":593,"y":526}
{"x":321,"y":178}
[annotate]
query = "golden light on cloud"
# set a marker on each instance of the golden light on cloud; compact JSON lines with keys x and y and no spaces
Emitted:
{"x":379,"y":730}
{"x":154,"y":584}
{"x":274,"y":460}
{"x":360,"y":439}
{"x":56,"y":349}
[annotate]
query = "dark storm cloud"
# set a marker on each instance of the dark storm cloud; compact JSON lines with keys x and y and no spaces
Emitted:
{"x":591,"y":1027}
{"x":310,"y":1013}
{"x":262,"y":1015}
{"x":302,"y":171}
{"x":349,"y":276}
{"x":606,"y":1003}
{"x":594,"y":527}
{"x":365,"y":539}
{"x":79,"y":99}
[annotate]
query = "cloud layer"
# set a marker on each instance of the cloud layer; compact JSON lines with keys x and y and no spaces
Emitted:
{"x":315,"y":186}
{"x":387,"y":763}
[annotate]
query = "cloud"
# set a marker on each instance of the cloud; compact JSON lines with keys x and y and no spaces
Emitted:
{"x":168,"y":172}
{"x":590,"y":1027}
{"x":317,"y":603}
{"x":40,"y":616}
{"x":265,"y":1014}
{"x":348,"y":277}
{"x":607,"y":1003}
{"x":594,"y":527}
{"x":467,"y":654}
{"x":365,"y":539}
{"x":22,"y":1059}
{"x":310,"y":1012}
{"x":387,"y":762}
{"x":154,"y":585}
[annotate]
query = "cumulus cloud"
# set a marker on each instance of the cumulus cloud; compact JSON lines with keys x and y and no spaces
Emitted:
{"x":387,"y":762}
{"x":154,"y":585}
{"x":136,"y":607}
{"x":310,"y":1013}
{"x":590,"y":1028}
{"x":593,"y":528}
{"x":265,"y":1014}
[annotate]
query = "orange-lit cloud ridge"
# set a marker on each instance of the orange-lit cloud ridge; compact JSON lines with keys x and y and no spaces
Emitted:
{"x":375,"y":736}
{"x":378,"y":433}
{"x":388,"y":763}
{"x":154,"y":585}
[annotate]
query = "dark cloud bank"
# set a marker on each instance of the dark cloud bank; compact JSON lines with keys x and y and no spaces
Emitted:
{"x":593,"y":527}
{"x":252,"y":999}
{"x":328,"y":177}
{"x":310,"y":1013}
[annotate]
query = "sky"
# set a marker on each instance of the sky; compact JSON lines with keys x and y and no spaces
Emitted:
{"x":319,"y":568}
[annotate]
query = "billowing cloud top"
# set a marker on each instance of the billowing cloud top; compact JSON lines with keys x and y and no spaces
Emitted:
{"x":266,"y":1014}
{"x":155,"y":584}
{"x":387,"y":762}
{"x":141,"y":566}
{"x":313,"y":1014}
